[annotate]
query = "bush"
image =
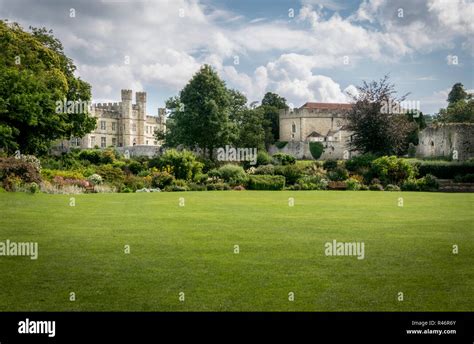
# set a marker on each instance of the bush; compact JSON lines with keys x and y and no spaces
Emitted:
{"x":283,"y":159}
{"x":196,"y":187}
{"x":468,"y":178}
{"x":391,"y":187}
{"x":392,"y":170}
{"x":265,"y":169}
{"x":134,"y":183}
{"x":291,"y":172}
{"x":233,"y":174}
{"x":338,"y":174}
{"x":135,"y":167}
{"x":172,"y":188}
{"x":444,"y":169}
{"x":263,"y":158}
{"x":266,"y":182}
{"x":207,"y":164}
{"x":428,"y":183}
{"x":183,"y":164}
{"x":33,"y":188}
{"x":16,"y":171}
{"x":311,"y":183}
{"x":111,"y":174}
{"x":201,"y":178}
{"x":162,"y":179}
{"x":410,"y":185}
{"x":315,"y":169}
{"x":353,"y":184}
{"x":218,"y":186}
{"x":107,"y":156}
{"x":376,"y":187}
{"x":360,"y":163}
{"x":316,"y":149}
{"x":330,"y":165}
{"x":50,"y":174}
{"x":281,"y":144}
{"x":95,"y":179}
{"x":93,"y":156}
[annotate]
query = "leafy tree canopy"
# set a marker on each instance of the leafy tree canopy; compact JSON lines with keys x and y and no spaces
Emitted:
{"x":376,"y":131}
{"x":460,"y":106}
{"x":34,"y":75}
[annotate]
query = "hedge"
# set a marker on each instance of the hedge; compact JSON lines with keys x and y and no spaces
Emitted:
{"x":316,"y":149}
{"x":281,"y":144}
{"x":444,"y":169}
{"x":266,"y":182}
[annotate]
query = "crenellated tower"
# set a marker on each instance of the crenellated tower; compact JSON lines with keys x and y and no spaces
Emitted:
{"x":141,"y":116}
{"x":125,"y":122}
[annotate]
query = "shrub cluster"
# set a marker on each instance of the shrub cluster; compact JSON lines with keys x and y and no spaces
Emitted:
{"x":266,"y":182}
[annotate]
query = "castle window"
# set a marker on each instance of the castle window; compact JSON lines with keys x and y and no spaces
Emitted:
{"x":134,"y":127}
{"x":147,"y":142}
{"x":103,"y":142}
{"x":75,"y":141}
{"x":114,"y":126}
{"x":114,"y":141}
{"x":103,"y":125}
{"x":92,"y":141}
{"x":293,"y":128}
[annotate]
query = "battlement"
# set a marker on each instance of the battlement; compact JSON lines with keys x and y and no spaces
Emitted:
{"x":108,"y":106}
{"x":140,"y":97}
{"x":126,"y":95}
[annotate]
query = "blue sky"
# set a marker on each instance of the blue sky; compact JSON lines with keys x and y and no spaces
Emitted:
{"x":305,"y":50}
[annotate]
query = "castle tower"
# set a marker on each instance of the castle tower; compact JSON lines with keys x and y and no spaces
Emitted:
{"x":141,"y":116}
{"x":125,"y":121}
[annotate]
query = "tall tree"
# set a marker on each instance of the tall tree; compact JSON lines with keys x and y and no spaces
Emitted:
{"x":34,"y":75}
{"x":271,"y":105}
{"x":200,"y":117}
{"x":374,"y":129}
{"x":460,"y":106}
{"x":457,"y":93}
{"x":251,"y":131}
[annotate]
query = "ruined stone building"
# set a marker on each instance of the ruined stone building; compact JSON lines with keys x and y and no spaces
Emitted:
{"x":316,"y":122}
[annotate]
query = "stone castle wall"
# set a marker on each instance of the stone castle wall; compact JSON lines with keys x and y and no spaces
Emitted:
{"x":443,"y":140}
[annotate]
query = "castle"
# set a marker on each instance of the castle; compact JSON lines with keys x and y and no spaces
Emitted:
{"x":325,"y":123}
{"x":316,"y":122}
{"x":122,"y":124}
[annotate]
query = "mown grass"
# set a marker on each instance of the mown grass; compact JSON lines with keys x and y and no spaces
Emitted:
{"x":190,"y":249}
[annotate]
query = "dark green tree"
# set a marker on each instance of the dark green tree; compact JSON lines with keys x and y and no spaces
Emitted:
{"x":200,"y":115}
{"x":271,"y":105}
{"x":460,"y":106}
{"x":34,"y":75}
{"x":457,"y":93}
{"x":251,"y":131}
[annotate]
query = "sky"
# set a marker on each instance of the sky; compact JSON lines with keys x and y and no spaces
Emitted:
{"x":308,"y":50}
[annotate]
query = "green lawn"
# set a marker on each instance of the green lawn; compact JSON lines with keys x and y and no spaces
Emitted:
{"x":190,"y":249}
